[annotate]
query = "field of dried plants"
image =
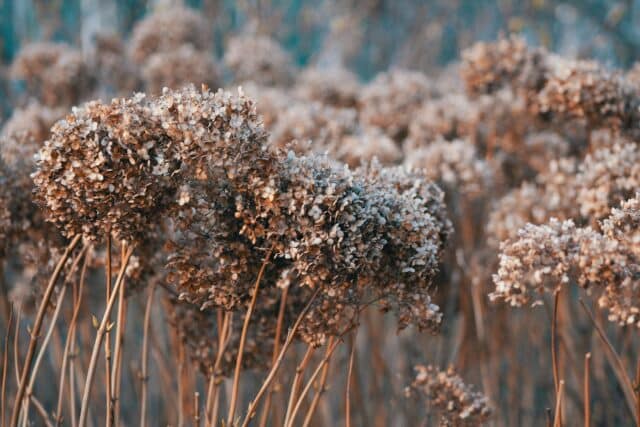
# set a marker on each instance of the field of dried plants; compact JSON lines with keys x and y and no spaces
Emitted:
{"x":197,"y":240}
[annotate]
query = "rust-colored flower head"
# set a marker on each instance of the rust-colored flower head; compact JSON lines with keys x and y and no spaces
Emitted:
{"x":168,"y":29}
{"x":54,"y":73}
{"x":260,"y":59}
{"x":335,"y":86}
{"x":449,"y":397}
{"x":106,"y":167}
{"x":392,"y":99}
{"x":25,"y":132}
{"x":178,"y":68}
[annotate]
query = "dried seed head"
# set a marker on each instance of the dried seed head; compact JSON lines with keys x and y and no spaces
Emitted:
{"x":259,"y":59}
{"x":450,"y":397}
{"x":334,"y":86}
{"x":178,"y":68}
{"x":54,"y":73}
{"x":25,"y":132}
{"x":392,"y":99}
{"x":167,"y":30}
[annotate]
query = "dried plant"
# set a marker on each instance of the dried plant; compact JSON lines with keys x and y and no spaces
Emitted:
{"x":259,"y":59}
{"x":449,"y":396}
{"x":54,"y":73}
{"x":179,"y":67}
{"x":335,"y":86}
{"x":168,"y":29}
{"x":392,"y":99}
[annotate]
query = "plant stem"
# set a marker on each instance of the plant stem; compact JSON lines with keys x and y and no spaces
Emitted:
{"x":35,"y":332}
{"x":587,"y":390}
{"x":243,"y":338}
{"x":276,"y":366}
{"x":98,"y":341}
{"x":276,"y":346}
{"x":107,"y":338}
{"x":145,"y":358}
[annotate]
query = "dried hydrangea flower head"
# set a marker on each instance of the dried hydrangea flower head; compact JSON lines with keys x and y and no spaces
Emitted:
{"x":25,"y":132}
{"x":586,"y":90}
{"x":115,"y":73}
{"x":260,"y":59}
{"x":105,"y":167}
{"x":316,"y":127}
{"x":458,"y":403}
{"x":455,"y":165}
{"x":330,"y":229}
{"x":392,"y":99}
{"x":54,"y":73}
{"x":555,"y":88}
{"x":179,"y":67}
{"x":271,"y":102}
{"x":554,"y":193}
{"x":487,"y":67}
{"x":607,"y":177}
{"x":335,"y":86}
{"x":168,"y":29}
{"x":451,"y":117}
{"x":547,"y":257}
{"x":5,"y":212}
{"x":365,"y":145}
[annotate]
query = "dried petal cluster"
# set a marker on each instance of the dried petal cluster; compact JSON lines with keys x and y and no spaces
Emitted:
{"x":335,"y":86}
{"x":24,"y":133}
{"x":54,"y":73}
{"x":179,"y":67}
{"x":168,"y":29}
{"x":392,"y":99}
{"x":258,"y":58}
{"x":455,"y":165}
{"x":547,"y":257}
{"x":106,"y":167}
{"x":450,"y":397}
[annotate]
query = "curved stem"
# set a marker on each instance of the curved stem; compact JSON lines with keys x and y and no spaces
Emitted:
{"x":35,"y":332}
{"x":98,"y":341}
{"x":243,"y":338}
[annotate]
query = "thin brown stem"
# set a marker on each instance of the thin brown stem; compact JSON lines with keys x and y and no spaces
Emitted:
{"x":196,"y":409}
{"x":616,"y":363}
{"x":319,"y":391}
{"x":98,"y":341}
{"x":144,"y":375}
{"x":295,"y":385}
{"x":318,"y":369}
{"x":557,"y":421}
{"x":225,"y":336}
{"x":276,"y":346}
{"x":243,"y":338}
{"x":77,"y":299}
{"x":587,"y":390}
{"x":274,"y":369}
{"x":5,"y":365}
{"x":41,"y":352}
{"x":107,"y":338}
{"x":554,"y":351}
{"x":35,"y":331}
{"x":116,"y":371}
{"x":347,"y":397}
